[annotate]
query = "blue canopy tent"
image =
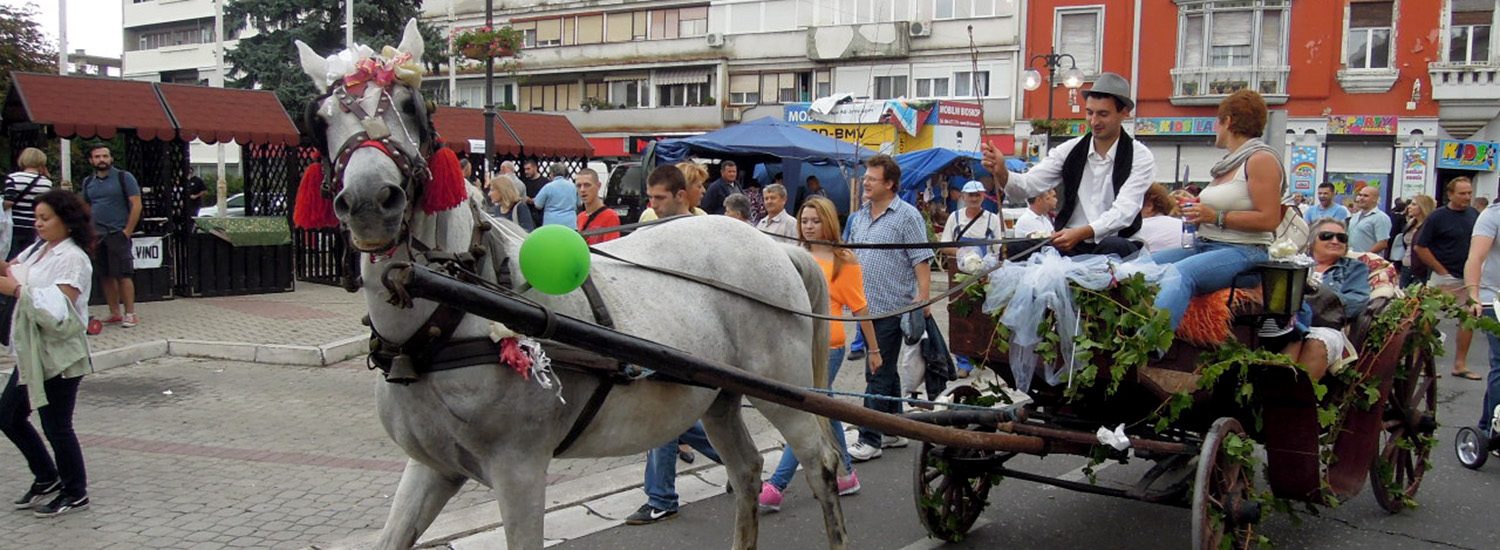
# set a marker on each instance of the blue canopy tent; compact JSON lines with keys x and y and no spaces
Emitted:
{"x":769,"y":140}
{"x":918,"y":167}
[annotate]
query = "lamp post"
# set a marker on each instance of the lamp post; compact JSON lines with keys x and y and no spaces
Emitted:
{"x":1051,"y":61}
{"x":489,"y":97}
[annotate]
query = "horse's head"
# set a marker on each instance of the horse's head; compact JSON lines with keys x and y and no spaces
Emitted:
{"x":373,"y":128}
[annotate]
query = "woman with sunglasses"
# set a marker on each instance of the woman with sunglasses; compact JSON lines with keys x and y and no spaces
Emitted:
{"x":1235,"y":214}
{"x":1340,"y":282}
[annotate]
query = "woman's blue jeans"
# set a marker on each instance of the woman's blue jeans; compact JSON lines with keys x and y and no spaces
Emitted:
{"x":1205,"y":268}
{"x":788,"y":466}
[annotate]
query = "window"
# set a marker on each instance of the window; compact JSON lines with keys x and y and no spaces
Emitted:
{"x":932,"y":87}
{"x":890,"y":87}
{"x":590,"y":29}
{"x":184,"y":33}
{"x":679,"y":22}
{"x":1078,"y":34}
{"x":1229,"y":45}
{"x":786,"y":87}
{"x":682,"y":95}
{"x":630,"y":94}
{"x":744,"y":89}
{"x":962,"y":9}
{"x":1369,"y":44}
{"x":549,"y":32}
{"x":551,"y":97}
{"x":1469,"y":31}
{"x":824,"y":83}
{"x":969,"y":84}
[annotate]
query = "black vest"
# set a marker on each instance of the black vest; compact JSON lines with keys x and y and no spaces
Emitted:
{"x":1072,"y":175}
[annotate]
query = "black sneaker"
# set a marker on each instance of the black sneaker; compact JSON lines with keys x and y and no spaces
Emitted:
{"x":648,"y":515}
{"x":39,"y":493}
{"x":63,"y":504}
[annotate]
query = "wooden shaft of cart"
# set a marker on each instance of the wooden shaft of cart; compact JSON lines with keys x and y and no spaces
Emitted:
{"x":532,"y":320}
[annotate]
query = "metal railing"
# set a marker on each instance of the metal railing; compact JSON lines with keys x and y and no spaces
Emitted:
{"x":1221,"y":81}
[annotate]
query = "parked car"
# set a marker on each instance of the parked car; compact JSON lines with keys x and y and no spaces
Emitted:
{"x":235,"y":207}
{"x":625,"y":191}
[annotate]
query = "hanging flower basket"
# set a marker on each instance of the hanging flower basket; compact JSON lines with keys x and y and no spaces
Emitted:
{"x":485,"y":43}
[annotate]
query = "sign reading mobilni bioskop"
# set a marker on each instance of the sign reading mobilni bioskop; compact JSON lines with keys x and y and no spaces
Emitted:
{"x":1466,"y":155}
{"x":1174,"y":126}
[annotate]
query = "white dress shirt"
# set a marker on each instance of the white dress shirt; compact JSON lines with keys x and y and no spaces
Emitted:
{"x":1031,"y":223}
{"x":781,"y":224}
{"x":1098,"y":207}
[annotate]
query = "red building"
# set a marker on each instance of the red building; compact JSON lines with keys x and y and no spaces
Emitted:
{"x":1353,"y":77}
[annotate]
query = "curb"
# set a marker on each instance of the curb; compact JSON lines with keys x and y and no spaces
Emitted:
{"x":271,"y":354}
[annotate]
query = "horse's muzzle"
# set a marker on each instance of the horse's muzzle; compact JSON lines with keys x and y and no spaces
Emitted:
{"x":373,"y":214}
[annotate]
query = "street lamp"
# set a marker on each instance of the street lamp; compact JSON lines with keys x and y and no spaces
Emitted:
{"x":1051,"y":61}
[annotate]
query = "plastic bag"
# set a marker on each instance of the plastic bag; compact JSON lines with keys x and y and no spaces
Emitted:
{"x":912,"y":367}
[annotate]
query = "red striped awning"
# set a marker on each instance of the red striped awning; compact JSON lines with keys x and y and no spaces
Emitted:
{"x":227,"y":114}
{"x":88,"y":107}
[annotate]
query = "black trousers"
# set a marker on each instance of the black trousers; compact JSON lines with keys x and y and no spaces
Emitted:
{"x":1118,"y":246}
{"x":57,"y":423}
{"x":887,"y":380}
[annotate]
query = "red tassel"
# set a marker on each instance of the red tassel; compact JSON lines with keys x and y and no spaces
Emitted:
{"x":314,"y":211}
{"x":446,"y":190}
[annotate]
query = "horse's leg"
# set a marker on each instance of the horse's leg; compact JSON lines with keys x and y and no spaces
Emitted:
{"x":520,"y":476}
{"x":810,"y":439}
{"x":419,"y":497}
{"x":726,"y":430}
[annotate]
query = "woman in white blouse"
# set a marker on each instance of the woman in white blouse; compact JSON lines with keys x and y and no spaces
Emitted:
{"x":51,"y":281}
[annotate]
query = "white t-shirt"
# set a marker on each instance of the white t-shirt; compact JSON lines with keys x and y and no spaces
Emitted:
{"x":1160,"y":233}
{"x":1031,"y":223}
{"x":781,"y":224}
{"x":65,"y":264}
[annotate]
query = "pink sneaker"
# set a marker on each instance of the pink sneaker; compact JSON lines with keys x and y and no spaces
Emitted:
{"x":770,"y":498}
{"x":848,"y":485}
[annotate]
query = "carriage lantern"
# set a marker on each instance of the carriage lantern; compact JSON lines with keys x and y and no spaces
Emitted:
{"x":1282,"y":284}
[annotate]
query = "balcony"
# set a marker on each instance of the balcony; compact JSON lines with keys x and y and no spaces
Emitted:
{"x":660,"y":119}
{"x":1209,"y":85}
{"x":1467,"y":94}
{"x":867,"y":41}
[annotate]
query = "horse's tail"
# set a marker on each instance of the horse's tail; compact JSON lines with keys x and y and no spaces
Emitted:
{"x":817,"y":297}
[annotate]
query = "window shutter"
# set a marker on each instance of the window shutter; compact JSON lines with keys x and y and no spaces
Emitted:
{"x":1473,"y":12}
{"x":1364,"y":15}
{"x":744,"y":83}
{"x":1077,"y":36}
{"x":1270,"y":39}
{"x":1192,"y":42}
{"x":1233,"y":29}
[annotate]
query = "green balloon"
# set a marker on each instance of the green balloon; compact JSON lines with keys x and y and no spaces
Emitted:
{"x":555,"y":259}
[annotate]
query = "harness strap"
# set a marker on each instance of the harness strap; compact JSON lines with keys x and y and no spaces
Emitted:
{"x":606,"y":383}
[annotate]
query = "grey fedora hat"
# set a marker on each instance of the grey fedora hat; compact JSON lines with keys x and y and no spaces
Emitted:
{"x":1115,"y":85}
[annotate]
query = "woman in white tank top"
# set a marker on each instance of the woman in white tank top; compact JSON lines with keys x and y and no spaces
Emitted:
{"x":1235,"y":214}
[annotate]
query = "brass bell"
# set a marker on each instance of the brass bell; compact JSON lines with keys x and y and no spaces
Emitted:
{"x":402,"y":371}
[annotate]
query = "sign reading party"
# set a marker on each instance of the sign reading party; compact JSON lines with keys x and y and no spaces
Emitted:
{"x":1466,"y":155}
{"x":1362,"y":125}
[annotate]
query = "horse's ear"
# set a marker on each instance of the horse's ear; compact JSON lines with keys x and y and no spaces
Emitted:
{"x":314,"y":65}
{"x":411,"y":41}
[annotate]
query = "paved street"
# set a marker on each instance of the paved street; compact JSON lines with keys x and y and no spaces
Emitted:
{"x":199,"y":453}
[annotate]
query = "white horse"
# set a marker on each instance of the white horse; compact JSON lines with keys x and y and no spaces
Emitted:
{"x":487,"y":424}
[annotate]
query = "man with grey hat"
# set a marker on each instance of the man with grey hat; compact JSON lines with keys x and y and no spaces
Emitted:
{"x":1101,"y":178}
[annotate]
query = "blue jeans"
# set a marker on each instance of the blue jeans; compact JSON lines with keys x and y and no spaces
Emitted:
{"x":1206,"y":268}
{"x":661,"y":467}
{"x":859,"y":342}
{"x":788,"y":466}
{"x":887,"y":380}
{"x":1492,"y":388}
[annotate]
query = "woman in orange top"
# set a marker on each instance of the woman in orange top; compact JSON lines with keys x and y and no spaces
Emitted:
{"x":819,"y":221}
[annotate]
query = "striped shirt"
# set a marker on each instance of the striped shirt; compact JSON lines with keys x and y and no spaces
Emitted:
{"x":890,"y":280}
{"x":24,"y":211}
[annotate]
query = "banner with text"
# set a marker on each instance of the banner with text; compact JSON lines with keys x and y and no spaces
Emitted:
{"x":1413,"y":171}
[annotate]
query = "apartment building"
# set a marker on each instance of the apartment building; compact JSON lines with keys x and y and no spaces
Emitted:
{"x":173,"y":41}
{"x":628,"y":71}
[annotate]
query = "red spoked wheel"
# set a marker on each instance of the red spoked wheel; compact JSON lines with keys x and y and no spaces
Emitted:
{"x":1224,"y":512}
{"x":1409,"y":421}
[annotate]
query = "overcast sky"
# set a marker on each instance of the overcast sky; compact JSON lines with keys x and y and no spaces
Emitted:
{"x":93,"y":25}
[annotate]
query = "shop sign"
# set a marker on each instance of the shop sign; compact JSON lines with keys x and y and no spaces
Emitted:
{"x":1466,"y":155}
{"x":149,"y":251}
{"x":1413,"y":171}
{"x":1174,"y":126}
{"x":876,"y":137}
{"x":1362,"y":125}
{"x":959,"y":113}
{"x":1304,"y":169}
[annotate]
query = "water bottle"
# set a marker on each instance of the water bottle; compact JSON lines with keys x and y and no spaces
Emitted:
{"x":1189,"y":230}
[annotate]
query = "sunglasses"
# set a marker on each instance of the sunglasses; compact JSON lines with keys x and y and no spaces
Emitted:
{"x":1331,"y":235}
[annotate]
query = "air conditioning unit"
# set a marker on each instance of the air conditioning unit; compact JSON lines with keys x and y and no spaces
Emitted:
{"x":733,"y":114}
{"x":715,"y":40}
{"x":919,"y":29}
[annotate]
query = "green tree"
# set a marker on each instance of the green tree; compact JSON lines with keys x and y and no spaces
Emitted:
{"x":23,"y":45}
{"x":262,"y":61}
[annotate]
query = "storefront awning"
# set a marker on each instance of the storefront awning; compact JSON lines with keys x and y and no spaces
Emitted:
{"x":667,"y":78}
{"x":459,"y":125}
{"x":221,"y":115}
{"x":551,"y":136}
{"x":88,"y":107}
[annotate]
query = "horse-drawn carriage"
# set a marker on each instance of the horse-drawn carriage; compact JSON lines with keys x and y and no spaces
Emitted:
{"x":469,"y":393}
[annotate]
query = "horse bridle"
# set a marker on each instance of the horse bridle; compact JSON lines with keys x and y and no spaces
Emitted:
{"x":376,"y":134}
